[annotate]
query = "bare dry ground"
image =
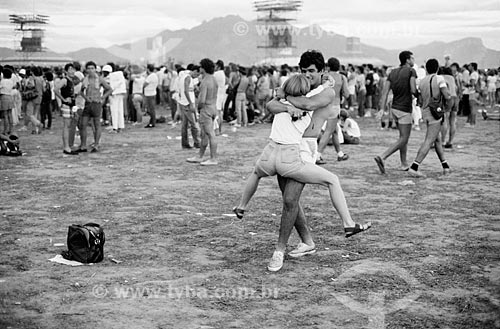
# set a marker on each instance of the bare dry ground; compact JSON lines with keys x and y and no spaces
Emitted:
{"x":431,"y":260}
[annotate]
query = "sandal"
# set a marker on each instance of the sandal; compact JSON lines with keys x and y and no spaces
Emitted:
{"x":350,"y":231}
{"x":239,"y":212}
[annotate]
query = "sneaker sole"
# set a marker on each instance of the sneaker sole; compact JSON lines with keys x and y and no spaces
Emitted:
{"x":274,"y":269}
{"x":301,"y":254}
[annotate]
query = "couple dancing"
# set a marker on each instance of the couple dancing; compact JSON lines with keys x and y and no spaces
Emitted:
{"x":291,"y":154}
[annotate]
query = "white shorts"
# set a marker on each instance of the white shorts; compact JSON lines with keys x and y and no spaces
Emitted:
{"x":309,"y":149}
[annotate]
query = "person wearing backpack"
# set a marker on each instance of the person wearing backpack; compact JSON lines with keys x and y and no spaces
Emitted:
{"x":32,"y":94}
{"x":432,"y":86}
{"x":45,"y":108}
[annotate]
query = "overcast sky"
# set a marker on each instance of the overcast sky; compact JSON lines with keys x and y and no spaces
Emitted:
{"x":392,"y":24}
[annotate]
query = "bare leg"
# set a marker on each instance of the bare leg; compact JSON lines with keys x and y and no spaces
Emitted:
{"x":445,"y":126}
{"x":249,"y":190}
{"x":453,"y":127}
{"x":401,"y":144}
{"x":430,"y":137}
{"x":83,"y":133}
{"x":97,"y":131}
{"x":331,"y":127}
{"x":291,"y":209}
{"x":312,"y":174}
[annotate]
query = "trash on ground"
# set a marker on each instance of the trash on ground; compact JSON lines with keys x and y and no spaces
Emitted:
{"x":61,"y":260}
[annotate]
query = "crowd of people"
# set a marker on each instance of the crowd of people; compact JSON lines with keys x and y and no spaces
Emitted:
{"x":310,"y":106}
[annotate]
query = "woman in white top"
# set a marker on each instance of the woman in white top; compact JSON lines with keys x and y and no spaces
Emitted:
{"x":492,"y":88}
{"x":282,"y":154}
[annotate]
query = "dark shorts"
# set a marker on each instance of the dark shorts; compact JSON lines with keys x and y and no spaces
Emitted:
{"x":92,"y":110}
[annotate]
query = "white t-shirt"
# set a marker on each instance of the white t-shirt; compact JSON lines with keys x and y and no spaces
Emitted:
{"x":138,"y":83}
{"x":285,"y":131}
{"x":425,"y":88}
{"x":6,"y":86}
{"x":117,"y":83}
{"x":182,"y":77}
{"x":150,"y":89}
{"x":351,"y":128}
{"x":220,"y":77}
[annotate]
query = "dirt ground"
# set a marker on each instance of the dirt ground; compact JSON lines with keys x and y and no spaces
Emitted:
{"x":431,"y":259}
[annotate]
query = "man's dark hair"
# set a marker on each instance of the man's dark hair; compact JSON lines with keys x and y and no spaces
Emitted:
{"x":90,"y":63}
{"x":432,"y":66}
{"x":457,"y":66}
{"x":67,"y":66}
{"x":404,"y":56}
{"x":207,"y":65}
{"x":190,"y":67}
{"x":7,"y":73}
{"x":37,"y":71}
{"x":334,"y":64}
{"x":312,"y":57}
{"x":49,"y":76}
{"x":151,"y":67}
{"x":220,"y":64}
{"x":77,"y":66}
{"x":474,"y":65}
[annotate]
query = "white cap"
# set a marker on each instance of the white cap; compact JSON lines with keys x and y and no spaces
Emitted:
{"x":107,"y":68}
{"x":79,"y":75}
{"x":22,"y":71}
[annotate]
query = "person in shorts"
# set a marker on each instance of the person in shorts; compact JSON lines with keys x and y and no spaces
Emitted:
{"x":291,"y":156}
{"x":207,"y":101}
{"x":91,"y":92}
{"x":432,"y":136}
{"x":402,"y":82}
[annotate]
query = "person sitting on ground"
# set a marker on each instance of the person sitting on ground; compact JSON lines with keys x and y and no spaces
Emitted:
{"x":350,"y":128}
{"x":286,"y":137}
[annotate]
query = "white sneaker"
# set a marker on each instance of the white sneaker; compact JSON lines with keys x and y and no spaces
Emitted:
{"x":276,"y":262}
{"x":194,"y":160}
{"x":209,"y":162}
{"x":415,"y":173}
{"x":302,"y":249}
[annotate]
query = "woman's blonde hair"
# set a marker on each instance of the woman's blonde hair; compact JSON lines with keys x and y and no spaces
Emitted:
{"x":296,"y":85}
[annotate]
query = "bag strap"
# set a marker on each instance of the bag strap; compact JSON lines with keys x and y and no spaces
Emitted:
{"x":430,"y":85}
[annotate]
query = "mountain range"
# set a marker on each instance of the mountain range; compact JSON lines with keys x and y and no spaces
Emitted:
{"x":234,"y":39}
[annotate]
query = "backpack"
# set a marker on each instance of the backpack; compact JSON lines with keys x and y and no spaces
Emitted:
{"x":85,"y":243}
{"x":29,"y":91}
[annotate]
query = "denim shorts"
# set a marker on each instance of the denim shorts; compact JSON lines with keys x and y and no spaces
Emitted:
{"x":282,"y":159}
